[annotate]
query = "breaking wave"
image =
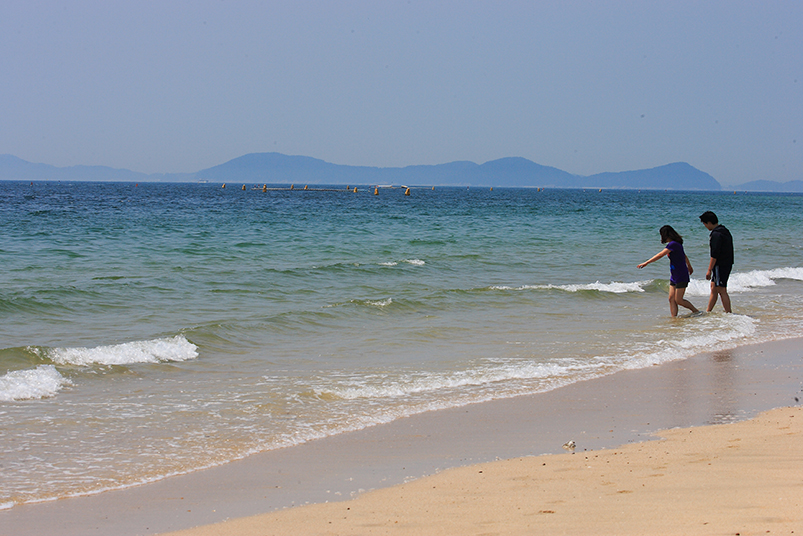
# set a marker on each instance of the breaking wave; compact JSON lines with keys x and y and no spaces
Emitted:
{"x":42,"y":382}
{"x":176,"y":348}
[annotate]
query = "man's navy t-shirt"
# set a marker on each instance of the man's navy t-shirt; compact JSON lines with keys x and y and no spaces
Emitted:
{"x":721,"y":243}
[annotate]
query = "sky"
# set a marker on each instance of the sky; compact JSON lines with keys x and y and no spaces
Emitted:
{"x":587,"y":87}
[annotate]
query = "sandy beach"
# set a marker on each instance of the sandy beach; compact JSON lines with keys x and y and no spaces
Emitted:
{"x":726,"y":475}
{"x":744,"y":478}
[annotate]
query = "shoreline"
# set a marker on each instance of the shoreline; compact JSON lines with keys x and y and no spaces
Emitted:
{"x":737,"y":478}
{"x":601,"y":413}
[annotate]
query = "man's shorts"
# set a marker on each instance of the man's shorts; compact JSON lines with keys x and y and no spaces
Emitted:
{"x":679,"y":284}
{"x":720,"y":275}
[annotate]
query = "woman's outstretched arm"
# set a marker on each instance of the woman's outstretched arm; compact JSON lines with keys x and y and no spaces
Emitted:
{"x":657,"y":256}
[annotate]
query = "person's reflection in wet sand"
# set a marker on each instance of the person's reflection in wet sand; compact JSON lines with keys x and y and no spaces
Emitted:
{"x":723,"y":377}
{"x":704,"y":390}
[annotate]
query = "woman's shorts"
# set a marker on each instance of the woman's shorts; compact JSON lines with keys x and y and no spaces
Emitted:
{"x":679,"y":284}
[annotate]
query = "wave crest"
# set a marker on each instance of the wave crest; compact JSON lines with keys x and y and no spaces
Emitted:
{"x":414,"y":384}
{"x":748,"y":281}
{"x":738,"y":282}
{"x":42,"y":382}
{"x":176,"y":348}
{"x":614,"y":287}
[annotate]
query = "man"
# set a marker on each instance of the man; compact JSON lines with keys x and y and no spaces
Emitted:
{"x":719,"y":267}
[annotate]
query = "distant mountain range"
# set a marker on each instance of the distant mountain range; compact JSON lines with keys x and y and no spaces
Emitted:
{"x":276,"y":168}
{"x":772,"y":186}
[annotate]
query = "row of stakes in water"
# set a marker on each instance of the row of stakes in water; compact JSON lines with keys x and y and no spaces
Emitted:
{"x":376,"y":188}
{"x":348,"y":188}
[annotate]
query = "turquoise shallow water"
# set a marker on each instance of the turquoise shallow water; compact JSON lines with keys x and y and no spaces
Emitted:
{"x":154,"y":329}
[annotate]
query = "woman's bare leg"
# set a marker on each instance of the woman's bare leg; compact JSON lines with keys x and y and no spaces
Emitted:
{"x":680,"y":300}
{"x":673,"y":305}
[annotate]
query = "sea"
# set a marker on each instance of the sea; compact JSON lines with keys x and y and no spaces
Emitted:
{"x":152,"y":329}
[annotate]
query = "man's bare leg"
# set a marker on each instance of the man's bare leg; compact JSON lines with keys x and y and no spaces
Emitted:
{"x":712,"y":300}
{"x":726,"y":300}
{"x":719,"y":292}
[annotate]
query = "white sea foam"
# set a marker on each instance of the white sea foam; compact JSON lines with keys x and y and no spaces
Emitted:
{"x":42,"y":382}
{"x":380,"y":303}
{"x":414,"y":262}
{"x":175,"y":348}
{"x":425,"y":383}
{"x":730,"y":328}
{"x":698,"y":287}
{"x":713,"y":332}
{"x":738,"y":282}
{"x":747,"y":281}
{"x":614,"y":287}
{"x":762,"y":278}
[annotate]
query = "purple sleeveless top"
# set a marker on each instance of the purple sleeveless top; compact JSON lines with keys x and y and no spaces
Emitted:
{"x":678,"y":271}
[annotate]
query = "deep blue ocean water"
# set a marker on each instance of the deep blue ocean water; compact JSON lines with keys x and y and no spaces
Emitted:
{"x":154,"y":329}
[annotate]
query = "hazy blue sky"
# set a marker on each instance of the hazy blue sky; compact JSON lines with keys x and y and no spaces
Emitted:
{"x":167,"y":86}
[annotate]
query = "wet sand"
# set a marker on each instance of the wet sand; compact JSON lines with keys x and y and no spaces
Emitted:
{"x":605,"y":413}
{"x":743,"y":478}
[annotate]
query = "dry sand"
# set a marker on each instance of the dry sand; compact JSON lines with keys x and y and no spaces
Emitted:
{"x":743,"y":478}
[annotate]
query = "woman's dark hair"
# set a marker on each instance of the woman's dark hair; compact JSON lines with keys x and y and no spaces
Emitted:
{"x":668,"y":234}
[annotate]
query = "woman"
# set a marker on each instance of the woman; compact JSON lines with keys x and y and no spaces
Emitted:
{"x":680,"y":269}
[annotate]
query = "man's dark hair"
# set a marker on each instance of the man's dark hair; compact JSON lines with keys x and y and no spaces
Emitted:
{"x":709,"y":217}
